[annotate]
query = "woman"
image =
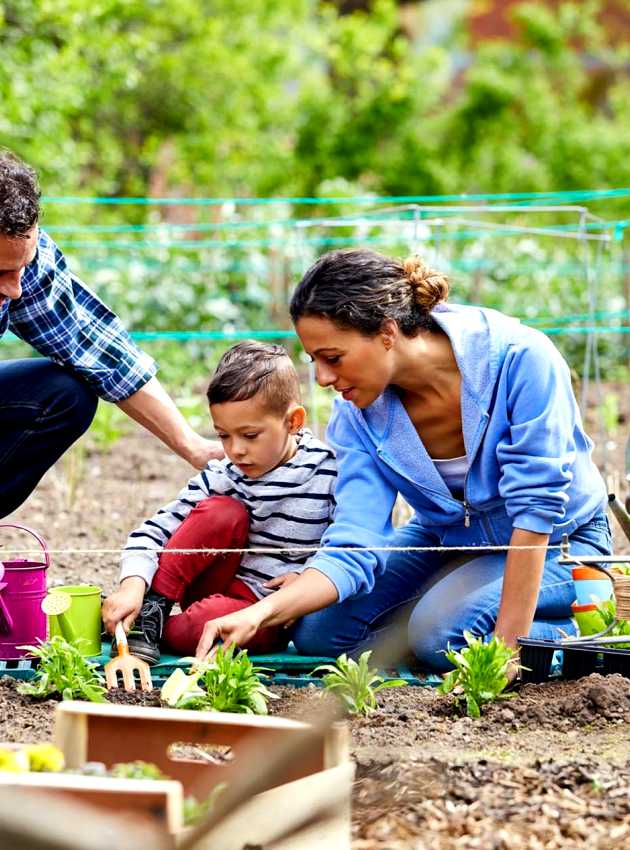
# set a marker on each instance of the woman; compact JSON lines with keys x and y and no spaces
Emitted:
{"x":472,"y":418}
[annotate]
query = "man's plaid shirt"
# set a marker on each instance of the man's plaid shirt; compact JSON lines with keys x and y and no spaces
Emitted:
{"x":59,"y":316}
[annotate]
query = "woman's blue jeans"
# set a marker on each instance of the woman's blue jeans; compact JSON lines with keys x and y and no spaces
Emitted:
{"x":442,"y":598}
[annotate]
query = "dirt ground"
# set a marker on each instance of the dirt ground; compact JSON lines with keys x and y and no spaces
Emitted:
{"x":547,"y":769}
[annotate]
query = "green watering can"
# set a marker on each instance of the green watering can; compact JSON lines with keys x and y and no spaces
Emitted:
{"x":74,"y":612}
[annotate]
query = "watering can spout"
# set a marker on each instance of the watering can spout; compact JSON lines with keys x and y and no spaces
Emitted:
{"x":56,"y":604}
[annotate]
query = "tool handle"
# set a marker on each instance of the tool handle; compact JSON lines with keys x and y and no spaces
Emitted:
{"x":34,"y":534}
{"x":121,"y":640}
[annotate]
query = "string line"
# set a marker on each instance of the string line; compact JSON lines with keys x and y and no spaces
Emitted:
{"x":280,"y":550}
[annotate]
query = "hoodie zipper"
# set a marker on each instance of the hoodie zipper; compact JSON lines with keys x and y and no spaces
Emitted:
{"x":465,"y":503}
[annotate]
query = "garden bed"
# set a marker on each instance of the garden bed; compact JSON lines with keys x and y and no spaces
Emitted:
{"x":550,"y":768}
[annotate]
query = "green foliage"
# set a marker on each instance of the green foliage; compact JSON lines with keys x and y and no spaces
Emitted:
{"x":136,"y":770}
{"x":291,"y":97}
{"x":107,"y":427}
{"x":480,"y":674}
{"x":227,"y":682}
{"x":196,"y":811}
{"x":354,"y":683}
{"x":63,"y":670}
{"x":608,"y":611}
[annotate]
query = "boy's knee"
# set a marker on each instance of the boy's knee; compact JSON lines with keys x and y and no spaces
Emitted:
{"x":226,"y":511}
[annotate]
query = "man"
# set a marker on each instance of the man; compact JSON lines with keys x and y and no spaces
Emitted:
{"x":46,"y":404}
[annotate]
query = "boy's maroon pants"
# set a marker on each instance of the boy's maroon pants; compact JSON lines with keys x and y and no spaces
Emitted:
{"x":204,"y":584}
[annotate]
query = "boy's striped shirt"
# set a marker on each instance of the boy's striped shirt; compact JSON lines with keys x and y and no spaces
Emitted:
{"x":291,"y":505}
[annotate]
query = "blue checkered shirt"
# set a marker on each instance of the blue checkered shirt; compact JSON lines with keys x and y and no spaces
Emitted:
{"x":60,"y":317}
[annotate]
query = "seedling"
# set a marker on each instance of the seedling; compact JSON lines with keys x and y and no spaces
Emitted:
{"x":196,"y":810}
{"x":228,"y":682}
{"x":355,"y":684}
{"x":63,"y":670}
{"x":620,"y":628}
{"x":137,"y":770}
{"x":481,"y":672}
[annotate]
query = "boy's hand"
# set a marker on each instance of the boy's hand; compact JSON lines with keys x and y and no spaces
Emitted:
{"x":281,"y":581}
{"x":124,"y":604}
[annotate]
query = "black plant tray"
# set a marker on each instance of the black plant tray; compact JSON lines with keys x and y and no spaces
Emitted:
{"x":577,"y":660}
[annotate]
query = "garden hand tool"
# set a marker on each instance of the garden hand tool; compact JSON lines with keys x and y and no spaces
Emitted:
{"x":128,"y":665}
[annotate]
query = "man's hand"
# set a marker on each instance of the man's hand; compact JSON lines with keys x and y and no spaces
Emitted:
{"x":202,"y":451}
{"x":124,"y":604}
{"x":155,"y":410}
{"x":281,"y":581}
{"x":237,"y":628}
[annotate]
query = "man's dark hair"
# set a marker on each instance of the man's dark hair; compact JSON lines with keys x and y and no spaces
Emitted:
{"x":19,"y":196}
{"x":256,"y":367}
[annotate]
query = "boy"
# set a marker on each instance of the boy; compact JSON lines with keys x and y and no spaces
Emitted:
{"x":274,"y":489}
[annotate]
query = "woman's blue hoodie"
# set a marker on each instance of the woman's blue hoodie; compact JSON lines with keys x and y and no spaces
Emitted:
{"x":527,"y":450}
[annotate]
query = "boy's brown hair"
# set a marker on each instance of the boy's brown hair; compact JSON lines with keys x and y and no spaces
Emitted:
{"x":252,"y":367}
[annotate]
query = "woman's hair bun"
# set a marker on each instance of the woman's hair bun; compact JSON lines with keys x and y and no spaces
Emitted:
{"x":430,"y":287}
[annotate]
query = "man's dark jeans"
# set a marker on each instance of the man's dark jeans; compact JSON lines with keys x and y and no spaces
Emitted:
{"x":44,"y":408}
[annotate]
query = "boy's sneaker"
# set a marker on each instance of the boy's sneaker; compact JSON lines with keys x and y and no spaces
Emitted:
{"x":146,"y":633}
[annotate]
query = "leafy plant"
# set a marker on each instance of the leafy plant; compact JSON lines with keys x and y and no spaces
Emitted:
{"x":63,"y":670}
{"x":137,"y":770}
{"x":228,"y":682}
{"x":608,"y":612}
{"x":480,"y":674}
{"x":196,"y":810}
{"x":355,"y":684}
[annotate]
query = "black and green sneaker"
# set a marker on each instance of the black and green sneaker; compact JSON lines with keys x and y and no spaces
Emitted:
{"x":146,"y":633}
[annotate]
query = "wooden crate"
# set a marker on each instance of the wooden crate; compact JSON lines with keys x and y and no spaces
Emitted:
{"x":264,"y":820}
{"x":116,"y":733}
{"x":159,"y":802}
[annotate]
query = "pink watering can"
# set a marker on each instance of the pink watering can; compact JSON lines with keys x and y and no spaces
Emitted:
{"x":22,"y":589}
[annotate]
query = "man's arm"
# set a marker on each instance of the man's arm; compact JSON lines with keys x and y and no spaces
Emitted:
{"x":64,"y":320}
{"x":153,"y":408}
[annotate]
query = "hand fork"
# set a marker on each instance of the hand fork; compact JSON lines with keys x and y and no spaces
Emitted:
{"x":128,"y":665}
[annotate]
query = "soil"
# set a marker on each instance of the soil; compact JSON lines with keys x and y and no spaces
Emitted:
{"x":548,"y":768}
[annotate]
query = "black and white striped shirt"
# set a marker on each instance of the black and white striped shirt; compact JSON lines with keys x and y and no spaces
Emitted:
{"x":291,"y":504}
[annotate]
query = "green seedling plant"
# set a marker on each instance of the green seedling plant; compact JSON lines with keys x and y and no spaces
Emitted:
{"x":63,"y":670}
{"x":226,"y":682}
{"x":137,"y":770}
{"x":196,"y":810}
{"x":621,"y":628}
{"x":354,"y":683}
{"x":481,"y":672}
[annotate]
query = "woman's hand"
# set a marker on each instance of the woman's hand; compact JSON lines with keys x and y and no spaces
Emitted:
{"x":124,"y":604}
{"x":237,"y":628}
{"x":309,"y":591}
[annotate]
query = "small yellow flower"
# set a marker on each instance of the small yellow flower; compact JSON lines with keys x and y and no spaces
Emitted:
{"x":13,"y":761}
{"x":45,"y":758}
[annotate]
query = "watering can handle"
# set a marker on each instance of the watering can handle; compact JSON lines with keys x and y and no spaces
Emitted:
{"x":33,"y":533}
{"x":6,"y":621}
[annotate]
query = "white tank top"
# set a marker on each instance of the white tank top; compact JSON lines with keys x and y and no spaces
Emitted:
{"x":453,"y":471}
